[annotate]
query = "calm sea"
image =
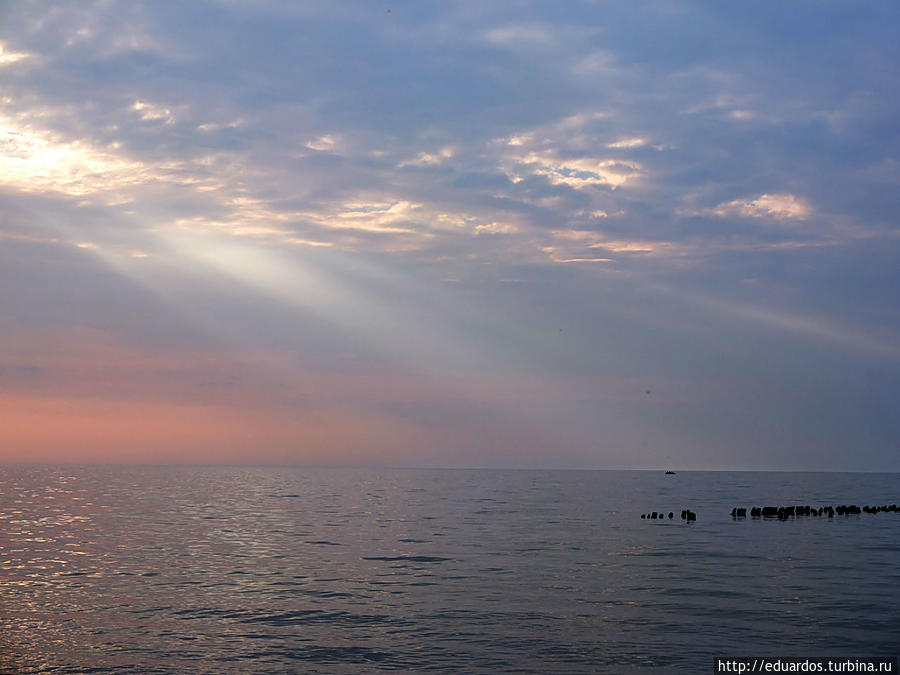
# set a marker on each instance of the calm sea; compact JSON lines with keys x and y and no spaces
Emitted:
{"x":243,"y":570}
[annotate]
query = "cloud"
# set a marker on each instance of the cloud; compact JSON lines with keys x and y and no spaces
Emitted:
{"x":429,"y":159}
{"x":372,"y":216}
{"x":778,"y":206}
{"x":149,"y":112}
{"x":511,"y":36}
{"x":561,"y":153}
{"x":633,"y":142}
{"x":581,"y":173}
{"x":555,"y":256}
{"x":8,"y":57}
{"x":575,"y":241}
{"x":496,"y":228}
{"x":33,"y":159}
{"x":322,"y":143}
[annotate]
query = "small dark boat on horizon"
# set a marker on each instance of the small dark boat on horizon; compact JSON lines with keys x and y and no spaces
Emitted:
{"x":669,"y":473}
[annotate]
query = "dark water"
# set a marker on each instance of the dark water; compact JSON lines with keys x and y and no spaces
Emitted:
{"x":218,"y":570}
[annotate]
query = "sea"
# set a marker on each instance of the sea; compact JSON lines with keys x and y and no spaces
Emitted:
{"x":112,"y":569}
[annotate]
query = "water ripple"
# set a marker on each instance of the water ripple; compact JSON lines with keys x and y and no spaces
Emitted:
{"x":163,"y":570}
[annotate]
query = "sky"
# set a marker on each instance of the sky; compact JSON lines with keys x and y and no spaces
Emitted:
{"x":657,"y":235}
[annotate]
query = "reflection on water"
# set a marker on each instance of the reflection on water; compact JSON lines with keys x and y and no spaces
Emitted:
{"x":175,"y":570}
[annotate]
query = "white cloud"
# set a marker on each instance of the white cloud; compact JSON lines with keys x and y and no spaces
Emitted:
{"x":573,"y":241}
{"x":780,"y":206}
{"x":556,"y":256}
{"x":496,"y":228}
{"x":34,"y":160}
{"x":324,"y":143}
{"x":563,"y":152}
{"x":215,"y":126}
{"x":8,"y":57}
{"x":583,"y":172}
{"x":429,"y":159}
{"x":633,"y":142}
{"x":374,"y":217}
{"x":519,"y":140}
{"x":150,"y":112}
{"x":333,"y":223}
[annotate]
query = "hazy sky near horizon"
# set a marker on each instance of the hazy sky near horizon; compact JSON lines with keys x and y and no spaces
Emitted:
{"x":523,"y":234}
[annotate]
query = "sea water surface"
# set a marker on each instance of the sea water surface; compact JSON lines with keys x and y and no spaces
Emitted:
{"x":285,"y":570}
